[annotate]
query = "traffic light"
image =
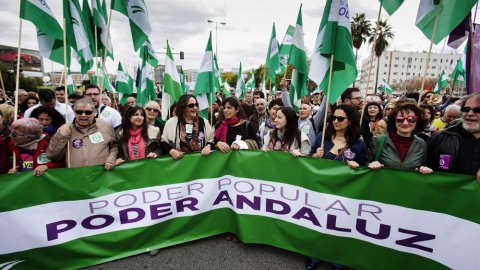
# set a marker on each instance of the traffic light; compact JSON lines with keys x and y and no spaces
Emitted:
{"x":181,"y":55}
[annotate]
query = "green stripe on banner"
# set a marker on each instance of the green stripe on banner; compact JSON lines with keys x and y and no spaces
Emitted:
{"x":315,"y":207}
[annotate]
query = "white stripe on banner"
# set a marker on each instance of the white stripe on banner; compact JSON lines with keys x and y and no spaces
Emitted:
{"x":427,"y":234}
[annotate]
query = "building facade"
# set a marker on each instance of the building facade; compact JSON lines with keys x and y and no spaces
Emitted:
{"x":159,"y":73}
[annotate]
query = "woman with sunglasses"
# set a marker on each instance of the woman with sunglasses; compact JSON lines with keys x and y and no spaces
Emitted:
{"x":30,"y":144}
{"x":235,"y":132}
{"x":152,"y":111}
{"x":186,"y":132}
{"x":137,"y":139}
{"x":401,"y":148}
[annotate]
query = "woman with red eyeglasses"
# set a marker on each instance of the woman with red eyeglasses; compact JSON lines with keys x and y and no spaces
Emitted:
{"x":186,"y":132}
{"x":401,"y":148}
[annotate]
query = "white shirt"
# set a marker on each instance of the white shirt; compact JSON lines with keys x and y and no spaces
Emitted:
{"x":60,"y":107}
{"x":110,"y":115}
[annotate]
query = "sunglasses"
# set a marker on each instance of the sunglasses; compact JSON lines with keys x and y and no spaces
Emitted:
{"x":14,"y":134}
{"x":388,"y":109}
{"x":192,"y":105}
{"x":80,"y":112}
{"x":438,"y":114}
{"x":468,"y":109}
{"x":410,"y":119}
{"x":152,"y":109}
{"x":338,"y":118}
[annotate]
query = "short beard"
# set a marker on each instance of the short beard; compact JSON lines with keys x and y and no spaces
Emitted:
{"x":471,"y":129}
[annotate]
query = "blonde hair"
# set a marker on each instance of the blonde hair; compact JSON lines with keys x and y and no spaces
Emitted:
{"x":8,"y":112}
{"x":152,"y":104}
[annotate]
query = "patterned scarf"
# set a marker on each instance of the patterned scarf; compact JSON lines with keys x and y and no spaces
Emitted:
{"x":190,"y":142}
{"x":221,"y":132}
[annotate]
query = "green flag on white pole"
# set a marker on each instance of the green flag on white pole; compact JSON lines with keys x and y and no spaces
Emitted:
{"x":183,"y":81}
{"x":273,"y":59}
{"x":100,"y":15}
{"x":218,"y":76}
{"x":205,"y":85}
{"x":285,"y":48}
{"x":171,"y":80}
{"x":387,"y":88}
{"x":251,"y":82}
{"x":147,"y":88}
{"x":70,"y":86}
{"x":226,"y":88}
{"x":240,"y":87}
{"x":122,"y":84}
{"x":442,"y":81}
{"x":148,"y":51}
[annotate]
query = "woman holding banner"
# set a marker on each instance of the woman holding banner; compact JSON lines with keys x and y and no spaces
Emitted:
{"x":401,"y":148}
{"x":286,"y":136}
{"x":187,"y":132}
{"x":137,"y":139}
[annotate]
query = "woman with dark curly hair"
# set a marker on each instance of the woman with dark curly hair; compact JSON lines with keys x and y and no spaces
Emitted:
{"x":401,"y":148}
{"x":137,"y":139}
{"x":374,"y":114}
{"x":186,"y":132}
{"x":49,"y":118}
{"x":28,"y":103}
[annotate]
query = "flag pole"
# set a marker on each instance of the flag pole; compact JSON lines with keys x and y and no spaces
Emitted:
{"x":3,"y":86}
{"x":328,"y":101}
{"x":285,"y":73}
{"x":473,"y":53}
{"x":17,"y":86}
{"x":61,"y":79}
{"x":96,"y":51}
{"x":108,"y":80}
{"x":211,"y":110}
{"x":169,"y":106}
{"x":371,"y":63}
{"x":429,"y":52}
{"x":104,"y":55}
{"x":103,"y":73}
{"x":66,"y":89}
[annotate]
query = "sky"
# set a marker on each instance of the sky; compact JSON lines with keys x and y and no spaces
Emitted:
{"x":244,"y":38}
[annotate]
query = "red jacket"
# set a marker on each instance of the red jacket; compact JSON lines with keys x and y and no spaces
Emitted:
{"x":41,"y":149}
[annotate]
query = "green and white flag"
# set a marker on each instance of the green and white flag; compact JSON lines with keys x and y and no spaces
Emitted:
{"x":251,"y":82}
{"x":226,"y":88}
{"x":442,"y":81}
{"x":298,"y":59}
{"x":240,"y":87}
{"x":137,"y":13}
{"x":70,"y":86}
{"x":48,"y":30}
{"x":218,"y":76}
{"x":123,"y":85}
{"x":391,"y":5}
{"x":205,"y":84}
{"x":76,"y":31}
{"x":90,"y":27}
{"x":273,"y":59}
{"x":334,"y":39}
{"x":183,"y":80}
{"x":285,"y":48}
{"x":458,"y":74}
{"x":452,"y":13}
{"x":100,"y":15}
{"x":172,"y":88}
{"x":147,"y":50}
{"x":264,"y":88}
{"x":387,"y":88}
{"x":147,"y":87}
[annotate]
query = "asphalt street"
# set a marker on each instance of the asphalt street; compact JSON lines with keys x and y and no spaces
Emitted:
{"x":214,"y":253}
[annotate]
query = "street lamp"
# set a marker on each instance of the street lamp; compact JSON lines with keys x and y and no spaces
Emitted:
{"x":216,"y":34}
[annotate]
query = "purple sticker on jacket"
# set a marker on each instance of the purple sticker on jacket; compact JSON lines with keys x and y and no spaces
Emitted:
{"x":348,"y":153}
{"x":201,"y":135}
{"x":77,"y":143}
{"x":444,"y":162}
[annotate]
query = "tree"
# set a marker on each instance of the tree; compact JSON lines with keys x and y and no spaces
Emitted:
{"x":361,"y":29}
{"x":383,"y":35}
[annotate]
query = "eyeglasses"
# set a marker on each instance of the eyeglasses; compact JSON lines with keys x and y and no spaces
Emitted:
{"x":92,"y":94}
{"x":14,"y":134}
{"x":468,"y":109}
{"x":438,"y":114}
{"x":80,"y":112}
{"x":338,"y":118}
{"x":152,"y":109}
{"x":410,"y":119}
{"x":357,"y":98}
{"x":388,"y":109}
{"x":192,"y":105}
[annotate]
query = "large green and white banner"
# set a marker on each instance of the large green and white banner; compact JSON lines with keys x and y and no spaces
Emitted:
{"x":383,"y":219}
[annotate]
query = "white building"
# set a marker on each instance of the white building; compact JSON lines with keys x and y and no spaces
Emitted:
{"x":191,"y":75}
{"x":396,"y":67}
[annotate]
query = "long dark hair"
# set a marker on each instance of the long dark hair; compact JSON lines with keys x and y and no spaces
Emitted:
{"x":57,"y":118}
{"x":291,"y":129}
{"x":182,"y":106}
{"x":234,"y":102}
{"x":379,"y":115}
{"x":24,"y":105}
{"x":126,"y":125}
{"x":353,"y":131}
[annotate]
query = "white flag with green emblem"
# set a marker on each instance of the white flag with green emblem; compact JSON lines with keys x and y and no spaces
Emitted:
{"x":49,"y":33}
{"x":205,"y":85}
{"x":218,"y":76}
{"x":240,"y":87}
{"x":226,"y":88}
{"x":171,"y":80}
{"x":123,"y":85}
{"x":387,"y":88}
{"x":334,"y":39}
{"x":70,"y":86}
{"x":298,"y":59}
{"x":285,"y":48}
{"x":100,"y":16}
{"x":148,"y":51}
{"x":147,"y":87}
{"x":273,"y":60}
{"x":251,"y":81}
{"x":137,"y":13}
{"x":442,"y":81}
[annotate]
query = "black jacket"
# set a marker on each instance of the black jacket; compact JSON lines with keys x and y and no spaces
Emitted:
{"x":445,"y":142}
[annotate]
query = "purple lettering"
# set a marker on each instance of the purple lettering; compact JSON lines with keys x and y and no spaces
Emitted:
{"x":266,"y":190}
{"x":332,"y":224}
{"x":186,"y":203}
{"x":343,"y":208}
{"x":134,"y":200}
{"x":285,"y":208}
{"x":419,"y":236}
{"x":255,"y":205}
{"x":199,"y":189}
{"x":155,"y":210}
{"x":124,"y":215}
{"x":169,"y":193}
{"x":360,"y":210}
{"x":307,"y":213}
{"x":306,"y":202}
{"x":283,"y":196}
{"x":248,"y":183}
{"x":87,"y":223}
{"x":92,"y":207}
{"x":144,"y":195}
{"x":220,"y":182}
{"x":53,"y":228}
{"x":383,"y":231}
{"x":223,"y":196}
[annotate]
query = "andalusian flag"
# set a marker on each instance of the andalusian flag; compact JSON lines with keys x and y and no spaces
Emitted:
{"x":147,"y":51}
{"x":205,"y":85}
{"x":391,"y":5}
{"x":334,"y":39}
{"x":458,"y":74}
{"x":77,"y":38}
{"x":387,"y":88}
{"x":285,"y":48}
{"x":183,"y":81}
{"x":452,"y":13}
{"x":240,"y":88}
{"x":49,"y":33}
{"x":218,"y":76}
{"x":298,"y":59}
{"x":89,"y":29}
{"x":100,"y":16}
{"x":442,"y":81}
{"x":264,"y":88}
{"x":226,"y":88}
{"x":137,"y":13}
{"x":171,"y":80}
{"x":146,"y":91}
{"x":70,"y":86}
{"x":251,"y":81}
{"x":123,"y":85}
{"x":273,"y":60}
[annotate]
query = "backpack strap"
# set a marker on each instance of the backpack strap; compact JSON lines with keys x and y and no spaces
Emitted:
{"x":246,"y":127}
{"x":313,"y":125}
{"x":380,"y":147}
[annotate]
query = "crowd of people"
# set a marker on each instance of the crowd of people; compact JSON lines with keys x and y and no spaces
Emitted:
{"x":93,"y":129}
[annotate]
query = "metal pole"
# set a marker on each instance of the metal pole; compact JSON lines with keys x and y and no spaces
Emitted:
{"x":216,"y":39}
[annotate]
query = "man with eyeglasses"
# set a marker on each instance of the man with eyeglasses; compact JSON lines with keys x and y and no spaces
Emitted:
{"x":47,"y":98}
{"x":353,"y":97}
{"x":456,"y":149}
{"x":92,"y":141}
{"x":451,"y":113}
{"x":109,"y":114}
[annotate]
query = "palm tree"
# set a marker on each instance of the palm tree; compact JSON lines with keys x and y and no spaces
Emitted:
{"x":361,"y":28}
{"x":383,"y":35}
